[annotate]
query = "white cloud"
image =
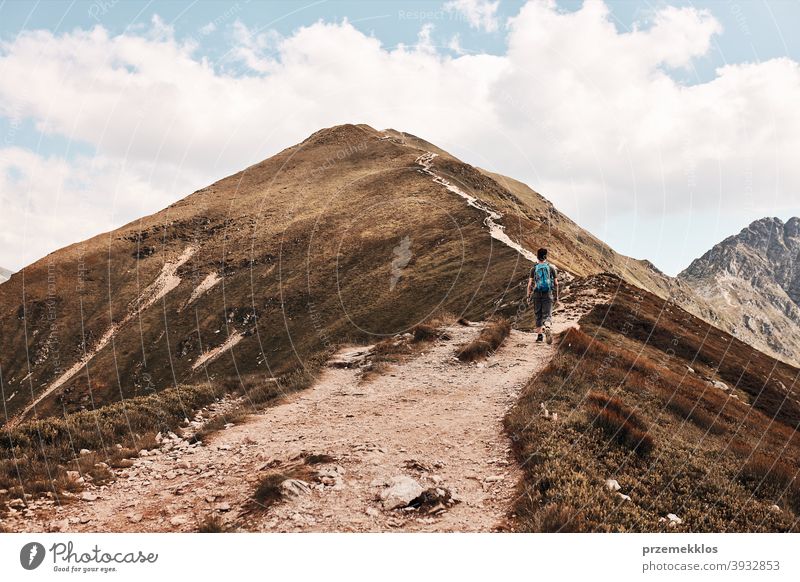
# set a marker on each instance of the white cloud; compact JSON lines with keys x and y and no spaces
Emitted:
{"x":254,"y":49}
{"x":208,"y":28}
{"x":455,"y":44}
{"x":49,"y":203}
{"x":480,"y":14}
{"x":597,"y":125}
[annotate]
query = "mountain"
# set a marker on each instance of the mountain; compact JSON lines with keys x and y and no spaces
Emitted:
{"x":351,"y":235}
{"x":5,"y":274}
{"x":143,"y":341}
{"x":347,"y":236}
{"x":752,"y":281}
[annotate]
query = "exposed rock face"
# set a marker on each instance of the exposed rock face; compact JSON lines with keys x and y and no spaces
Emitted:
{"x":753,"y":280}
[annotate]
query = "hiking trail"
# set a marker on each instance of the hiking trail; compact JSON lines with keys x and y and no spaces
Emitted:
{"x":431,"y":418}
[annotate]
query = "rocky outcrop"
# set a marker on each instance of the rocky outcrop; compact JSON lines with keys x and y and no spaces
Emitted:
{"x":752,"y":279}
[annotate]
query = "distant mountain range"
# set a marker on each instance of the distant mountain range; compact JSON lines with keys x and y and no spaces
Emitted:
{"x":752,"y":281}
{"x":5,"y":274}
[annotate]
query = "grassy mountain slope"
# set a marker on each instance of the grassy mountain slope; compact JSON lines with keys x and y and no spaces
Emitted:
{"x":309,"y":250}
{"x":686,"y":418}
{"x":339,"y":238}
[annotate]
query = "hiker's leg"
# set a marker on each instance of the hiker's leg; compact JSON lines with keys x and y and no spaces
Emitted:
{"x":537,"y":309}
{"x":547,"y":311}
{"x":547,"y":317}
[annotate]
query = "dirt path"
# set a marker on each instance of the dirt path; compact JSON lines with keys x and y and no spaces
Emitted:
{"x":432,"y":418}
{"x":496,"y":231}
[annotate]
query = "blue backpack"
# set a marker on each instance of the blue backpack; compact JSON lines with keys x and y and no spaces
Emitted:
{"x":543,"y":277}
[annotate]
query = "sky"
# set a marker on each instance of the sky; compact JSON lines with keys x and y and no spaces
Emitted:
{"x":662,"y":127}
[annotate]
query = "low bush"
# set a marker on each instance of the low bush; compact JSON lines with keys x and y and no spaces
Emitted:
{"x":424,"y":332}
{"x":212,"y":524}
{"x":558,"y":518}
{"x":489,"y":339}
{"x":692,"y":411}
{"x":37,"y":454}
{"x":772,"y":478}
{"x":269,"y":489}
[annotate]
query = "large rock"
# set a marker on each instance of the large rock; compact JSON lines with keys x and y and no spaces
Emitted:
{"x":400,"y":491}
{"x":721,"y":385}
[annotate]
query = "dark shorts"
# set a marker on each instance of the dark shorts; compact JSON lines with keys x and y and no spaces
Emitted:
{"x":542,"y":307}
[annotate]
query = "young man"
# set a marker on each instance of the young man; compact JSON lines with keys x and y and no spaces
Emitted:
{"x":543,"y":284}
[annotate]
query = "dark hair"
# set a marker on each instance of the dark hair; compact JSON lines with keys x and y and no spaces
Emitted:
{"x":541,"y":254}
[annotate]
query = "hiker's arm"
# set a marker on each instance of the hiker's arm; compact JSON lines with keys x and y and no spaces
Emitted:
{"x":530,"y":284}
{"x":555,"y":278}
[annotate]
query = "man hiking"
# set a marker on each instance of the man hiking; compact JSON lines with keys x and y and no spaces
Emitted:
{"x":543,"y":284}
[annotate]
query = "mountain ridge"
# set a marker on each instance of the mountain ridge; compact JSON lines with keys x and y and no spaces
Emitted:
{"x":354,"y":266}
{"x":280,"y":265}
{"x":753,"y":279}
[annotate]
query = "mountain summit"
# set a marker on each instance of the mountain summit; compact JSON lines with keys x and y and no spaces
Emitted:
{"x":352,"y":235}
{"x":366,"y":268}
{"x":753,"y":278}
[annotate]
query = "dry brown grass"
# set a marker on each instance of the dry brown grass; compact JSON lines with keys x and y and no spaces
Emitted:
{"x":619,"y":422}
{"x":260,"y":392}
{"x":212,"y":524}
{"x":269,"y":490}
{"x":685,"y":409}
{"x":387,"y":353}
{"x":319,"y":459}
{"x":558,"y":518}
{"x":698,"y":468}
{"x":424,"y":332}
{"x":773,"y":479}
{"x":37,"y":455}
{"x":218,"y":423}
{"x":489,"y":339}
{"x":397,"y":349}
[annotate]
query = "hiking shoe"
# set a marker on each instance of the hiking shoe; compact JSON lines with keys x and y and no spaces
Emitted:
{"x":549,"y":335}
{"x":539,"y":339}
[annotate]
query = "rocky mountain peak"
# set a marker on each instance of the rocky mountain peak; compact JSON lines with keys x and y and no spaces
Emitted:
{"x":755,"y":276}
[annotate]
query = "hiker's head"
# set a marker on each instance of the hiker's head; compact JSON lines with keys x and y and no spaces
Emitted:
{"x":541,"y":254}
